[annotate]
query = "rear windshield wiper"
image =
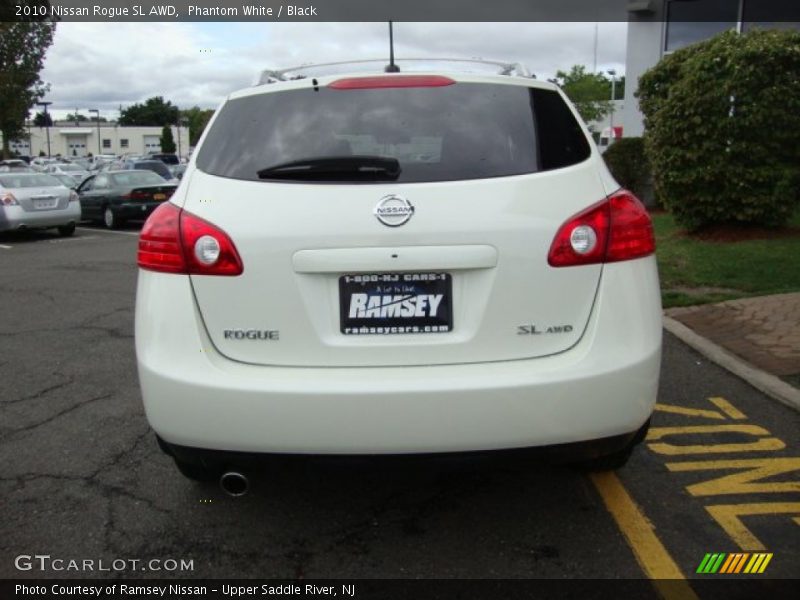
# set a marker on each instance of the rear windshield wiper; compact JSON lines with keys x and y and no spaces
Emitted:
{"x":335,"y":168}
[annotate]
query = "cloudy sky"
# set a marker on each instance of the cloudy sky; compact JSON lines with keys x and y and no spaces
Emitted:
{"x":105,"y":65}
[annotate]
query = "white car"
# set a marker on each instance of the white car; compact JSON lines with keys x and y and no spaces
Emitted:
{"x":394,"y":263}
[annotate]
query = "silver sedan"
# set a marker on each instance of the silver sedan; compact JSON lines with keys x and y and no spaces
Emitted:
{"x":37,"y":201}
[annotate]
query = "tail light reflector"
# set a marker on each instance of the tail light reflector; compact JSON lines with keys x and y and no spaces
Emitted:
{"x":612,"y":230}
{"x":176,"y":241}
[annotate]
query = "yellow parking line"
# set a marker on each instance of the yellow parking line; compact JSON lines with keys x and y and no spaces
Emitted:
{"x":728,"y":408}
{"x":729,"y":517}
{"x":638,"y":531}
{"x":688,"y":412}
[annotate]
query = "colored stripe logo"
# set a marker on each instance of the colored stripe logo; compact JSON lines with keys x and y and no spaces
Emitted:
{"x":734,"y":563}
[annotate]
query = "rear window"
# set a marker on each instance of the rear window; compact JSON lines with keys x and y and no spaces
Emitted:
{"x":156,"y":166}
{"x":134,"y":178}
{"x":456,"y":132}
{"x":28,"y":180}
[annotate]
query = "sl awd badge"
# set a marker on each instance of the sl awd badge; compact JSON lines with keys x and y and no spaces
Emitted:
{"x":394,"y":211}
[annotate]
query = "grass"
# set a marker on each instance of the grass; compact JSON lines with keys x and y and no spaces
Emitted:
{"x":694,"y":271}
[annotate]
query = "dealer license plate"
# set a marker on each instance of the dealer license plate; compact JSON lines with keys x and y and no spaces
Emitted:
{"x":395,"y":303}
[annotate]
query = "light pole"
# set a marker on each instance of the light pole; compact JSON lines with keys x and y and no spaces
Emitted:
{"x":178,"y":131}
{"x":182,"y":122}
{"x":97,"y":113}
{"x":613,"y":74}
{"x":46,"y":123}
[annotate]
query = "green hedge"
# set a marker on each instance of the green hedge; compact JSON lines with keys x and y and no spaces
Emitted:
{"x":628,"y":164}
{"x":722,"y":129}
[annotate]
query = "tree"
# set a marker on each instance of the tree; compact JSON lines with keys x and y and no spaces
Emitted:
{"x":153,"y":112}
{"x":43,"y":119}
{"x":22,"y":48}
{"x":198,"y":118}
{"x":589,"y":92}
{"x":722,"y":124}
{"x":167,"y":141}
{"x":80,"y":118}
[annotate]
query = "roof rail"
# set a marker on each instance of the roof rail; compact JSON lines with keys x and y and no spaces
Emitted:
{"x":405,"y":64}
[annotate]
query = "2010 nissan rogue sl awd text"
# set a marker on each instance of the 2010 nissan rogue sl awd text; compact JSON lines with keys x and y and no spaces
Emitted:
{"x":395,"y":263}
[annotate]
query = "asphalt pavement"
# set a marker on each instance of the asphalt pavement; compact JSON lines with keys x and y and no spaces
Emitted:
{"x":82,"y":478}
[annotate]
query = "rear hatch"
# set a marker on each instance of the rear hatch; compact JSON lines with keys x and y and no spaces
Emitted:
{"x":349,"y":261}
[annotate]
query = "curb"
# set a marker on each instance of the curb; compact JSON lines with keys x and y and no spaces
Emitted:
{"x":761,"y":380}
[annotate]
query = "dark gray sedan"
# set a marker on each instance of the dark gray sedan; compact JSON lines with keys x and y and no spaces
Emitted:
{"x":113,"y":197}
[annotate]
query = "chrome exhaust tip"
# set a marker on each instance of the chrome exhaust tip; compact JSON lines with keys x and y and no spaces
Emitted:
{"x":234,"y":483}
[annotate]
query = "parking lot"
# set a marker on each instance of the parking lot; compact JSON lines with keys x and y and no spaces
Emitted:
{"x":81,"y":476}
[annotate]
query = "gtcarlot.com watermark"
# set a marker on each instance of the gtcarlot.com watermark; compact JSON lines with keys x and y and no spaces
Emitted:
{"x":46,"y":562}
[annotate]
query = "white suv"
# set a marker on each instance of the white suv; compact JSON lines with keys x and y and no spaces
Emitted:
{"x":397,"y":263}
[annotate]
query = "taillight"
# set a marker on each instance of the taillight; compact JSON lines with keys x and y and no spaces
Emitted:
{"x":8,"y":199}
{"x":208,"y":249}
{"x":159,"y":242}
{"x":390,"y":81}
{"x":136,"y":195}
{"x":615,"y":229}
{"x":176,"y":241}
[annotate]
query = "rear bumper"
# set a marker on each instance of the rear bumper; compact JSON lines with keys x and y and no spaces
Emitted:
{"x":137,"y":210}
{"x":603,"y":387}
{"x":222,"y":460}
{"x":14,"y":217}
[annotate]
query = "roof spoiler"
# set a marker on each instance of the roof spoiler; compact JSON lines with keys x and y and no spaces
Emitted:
{"x":514,"y":69}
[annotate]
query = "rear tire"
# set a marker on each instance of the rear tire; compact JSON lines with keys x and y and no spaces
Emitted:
{"x":110,"y":219}
{"x":66,"y":230}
